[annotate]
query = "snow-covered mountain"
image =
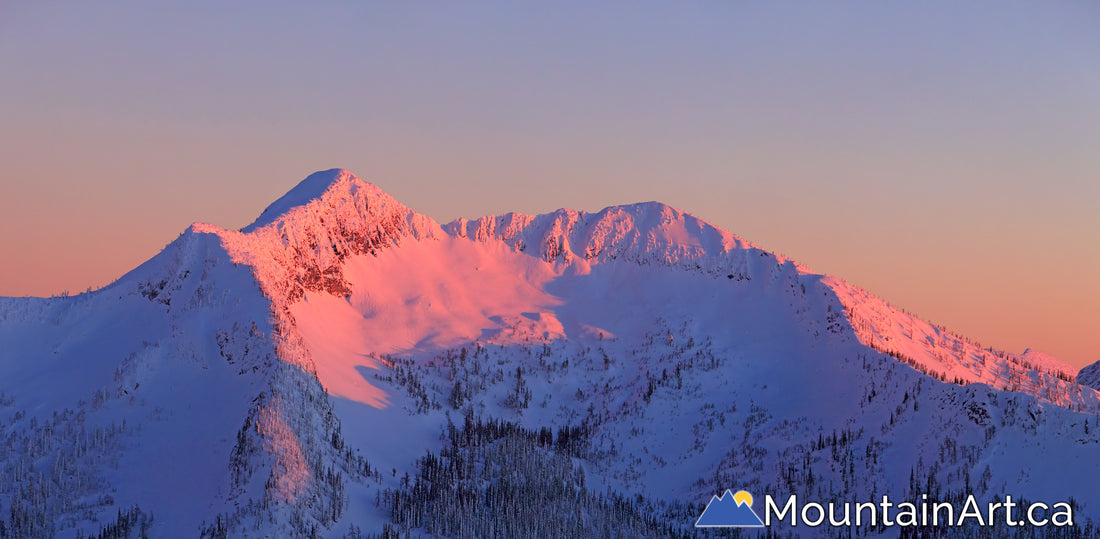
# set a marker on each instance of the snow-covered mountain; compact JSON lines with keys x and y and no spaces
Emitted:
{"x":345,"y":367}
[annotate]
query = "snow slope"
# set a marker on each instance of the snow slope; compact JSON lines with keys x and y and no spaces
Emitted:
{"x":288,"y":378}
{"x":1090,"y":376}
{"x":132,"y":373}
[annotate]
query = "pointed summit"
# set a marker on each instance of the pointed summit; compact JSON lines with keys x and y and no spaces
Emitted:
{"x":299,"y":242}
{"x":333,"y":186}
{"x":306,"y":191}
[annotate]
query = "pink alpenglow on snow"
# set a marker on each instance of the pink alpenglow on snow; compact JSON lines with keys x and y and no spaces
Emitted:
{"x":343,"y":347}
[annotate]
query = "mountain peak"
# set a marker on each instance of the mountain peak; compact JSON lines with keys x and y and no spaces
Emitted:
{"x":337,"y":183}
{"x":650,"y":232}
{"x":299,"y":242}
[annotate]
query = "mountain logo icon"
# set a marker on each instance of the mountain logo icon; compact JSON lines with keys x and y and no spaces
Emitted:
{"x":730,"y":511}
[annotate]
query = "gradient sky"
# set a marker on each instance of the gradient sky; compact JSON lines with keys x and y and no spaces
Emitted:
{"x":944,"y":155}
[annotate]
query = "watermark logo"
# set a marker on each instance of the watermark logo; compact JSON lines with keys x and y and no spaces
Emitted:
{"x":730,"y":511}
{"x":735,"y":511}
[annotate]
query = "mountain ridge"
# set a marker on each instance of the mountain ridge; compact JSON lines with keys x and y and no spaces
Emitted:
{"x":294,"y":234}
{"x":299,"y":242}
{"x":345,"y":330}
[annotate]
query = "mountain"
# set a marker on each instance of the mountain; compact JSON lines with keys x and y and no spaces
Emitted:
{"x":347,"y":367}
{"x":1090,"y":376}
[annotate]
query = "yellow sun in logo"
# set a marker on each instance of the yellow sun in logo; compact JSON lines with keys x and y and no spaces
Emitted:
{"x":742,"y":498}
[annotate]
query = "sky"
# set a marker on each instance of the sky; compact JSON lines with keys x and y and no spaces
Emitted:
{"x":943,"y":155}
